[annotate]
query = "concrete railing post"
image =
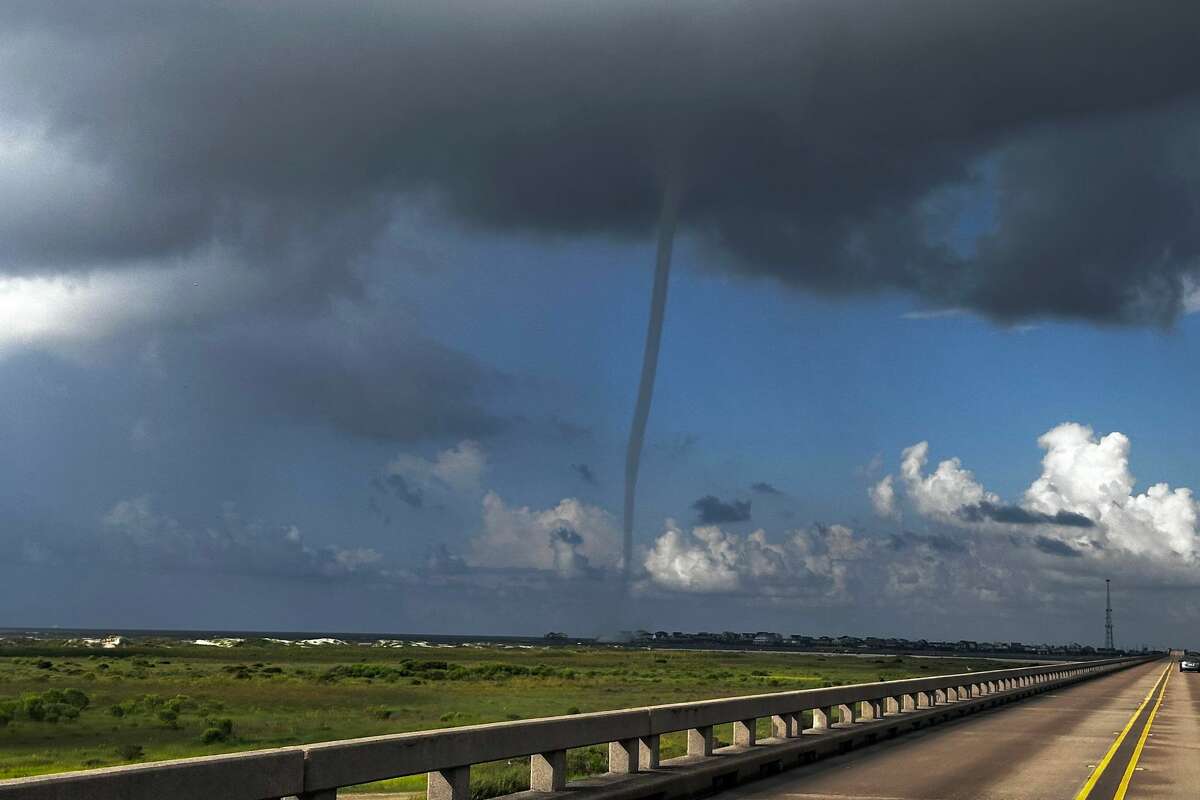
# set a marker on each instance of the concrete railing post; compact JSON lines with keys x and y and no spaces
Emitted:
{"x":822,"y":718}
{"x":548,"y":771}
{"x":745,"y":732}
{"x":846,"y":712}
{"x":449,"y":784}
{"x":908,"y":702}
{"x":648,"y":749}
{"x":623,"y":756}
{"x":700,"y":741}
{"x":891,"y":705}
{"x":787,"y":726}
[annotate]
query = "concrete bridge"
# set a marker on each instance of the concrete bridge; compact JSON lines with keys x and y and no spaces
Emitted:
{"x":1064,"y":740}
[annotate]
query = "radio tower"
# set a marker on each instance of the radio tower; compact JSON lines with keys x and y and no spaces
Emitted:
{"x":1108,"y":639}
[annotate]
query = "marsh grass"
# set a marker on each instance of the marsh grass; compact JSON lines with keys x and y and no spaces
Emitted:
{"x":166,"y":700}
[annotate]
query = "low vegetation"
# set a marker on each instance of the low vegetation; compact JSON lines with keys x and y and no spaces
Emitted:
{"x":70,"y":707}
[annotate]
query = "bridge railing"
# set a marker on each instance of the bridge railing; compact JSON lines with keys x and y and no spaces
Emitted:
{"x":317,"y":771}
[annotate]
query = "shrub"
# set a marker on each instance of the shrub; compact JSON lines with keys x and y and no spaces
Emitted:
{"x":380,"y":712}
{"x":130,"y":752}
{"x":34,"y":707}
{"x":211,"y":735}
{"x":573,"y":710}
{"x":5,"y":717}
{"x":218,"y":730}
{"x":65,"y":711}
{"x":149,"y":701}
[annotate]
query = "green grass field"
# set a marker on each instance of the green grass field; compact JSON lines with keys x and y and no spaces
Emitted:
{"x":65,"y":708}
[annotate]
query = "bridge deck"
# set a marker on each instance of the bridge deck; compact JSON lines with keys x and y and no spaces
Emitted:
{"x":1045,"y":747}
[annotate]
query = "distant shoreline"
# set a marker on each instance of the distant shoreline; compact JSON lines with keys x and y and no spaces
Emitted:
{"x":231,"y":638}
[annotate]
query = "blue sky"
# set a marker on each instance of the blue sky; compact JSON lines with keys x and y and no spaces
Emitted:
{"x":813,"y":394}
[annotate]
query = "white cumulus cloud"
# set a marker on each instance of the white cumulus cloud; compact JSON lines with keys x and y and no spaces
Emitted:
{"x":571,"y":538}
{"x":1087,"y":475}
{"x":813,"y":561}
{"x":946,"y":489}
{"x":883,"y":497}
{"x":1085,"y":498}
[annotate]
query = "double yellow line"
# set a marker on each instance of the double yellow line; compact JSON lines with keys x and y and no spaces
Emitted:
{"x":1161,"y":686}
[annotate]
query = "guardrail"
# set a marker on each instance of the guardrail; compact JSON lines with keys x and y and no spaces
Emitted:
{"x":838,"y":718}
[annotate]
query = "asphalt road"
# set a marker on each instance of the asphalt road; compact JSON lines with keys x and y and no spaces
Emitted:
{"x":1134,"y":734}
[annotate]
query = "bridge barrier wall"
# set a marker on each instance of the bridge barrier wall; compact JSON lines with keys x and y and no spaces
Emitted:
{"x":864,"y":712}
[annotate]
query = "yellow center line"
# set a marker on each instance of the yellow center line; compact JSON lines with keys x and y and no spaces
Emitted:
{"x":1137,"y":751}
{"x":1096,"y":773}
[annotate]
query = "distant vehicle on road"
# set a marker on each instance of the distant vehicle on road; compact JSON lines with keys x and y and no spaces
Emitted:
{"x":1189,"y":662}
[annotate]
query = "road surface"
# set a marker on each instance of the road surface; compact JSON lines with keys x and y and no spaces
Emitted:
{"x":1133,"y":734}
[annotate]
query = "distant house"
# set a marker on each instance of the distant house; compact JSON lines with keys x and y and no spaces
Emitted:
{"x":767,"y":637}
{"x":556,"y":636}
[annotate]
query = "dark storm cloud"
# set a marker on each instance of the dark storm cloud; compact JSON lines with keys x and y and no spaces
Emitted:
{"x":1015,"y":515}
{"x":413,"y":496}
{"x":1055,"y":547}
{"x":585,"y":473}
{"x":712,"y":511}
{"x":762,"y":487}
{"x":366,"y":380}
{"x":825,"y":144}
{"x":935,"y":541}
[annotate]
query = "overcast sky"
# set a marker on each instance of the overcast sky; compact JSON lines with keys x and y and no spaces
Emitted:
{"x":332,"y":318}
